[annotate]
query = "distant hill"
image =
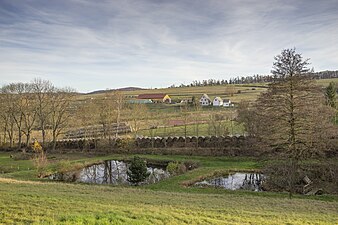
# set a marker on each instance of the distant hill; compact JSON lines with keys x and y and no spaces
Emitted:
{"x":118,"y":89}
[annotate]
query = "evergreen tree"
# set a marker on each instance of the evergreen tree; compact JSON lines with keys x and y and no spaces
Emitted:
{"x":137,"y":171}
{"x":330,"y":94}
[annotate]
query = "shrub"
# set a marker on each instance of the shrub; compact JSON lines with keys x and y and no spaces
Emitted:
{"x":40,"y":162}
{"x":176,"y":168}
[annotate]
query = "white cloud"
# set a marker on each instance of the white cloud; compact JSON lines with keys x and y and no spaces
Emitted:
{"x":106,"y":44}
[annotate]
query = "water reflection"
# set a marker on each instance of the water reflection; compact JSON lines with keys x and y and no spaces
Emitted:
{"x":236,"y":181}
{"x":110,"y":172}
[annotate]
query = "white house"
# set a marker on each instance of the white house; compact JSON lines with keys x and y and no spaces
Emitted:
{"x":227,"y":103}
{"x":205,"y":100}
{"x":217,"y":101}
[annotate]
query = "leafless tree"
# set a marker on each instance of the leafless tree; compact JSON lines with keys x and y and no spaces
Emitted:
{"x":43,"y":92}
{"x":119,"y":102}
{"x":106,"y":113}
{"x":291,"y":116}
{"x":292,"y":113}
{"x":14,"y":94}
{"x":29,"y":112}
{"x":137,"y":113}
{"x":59,"y":111}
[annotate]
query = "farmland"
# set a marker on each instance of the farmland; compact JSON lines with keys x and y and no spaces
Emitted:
{"x":159,"y":116}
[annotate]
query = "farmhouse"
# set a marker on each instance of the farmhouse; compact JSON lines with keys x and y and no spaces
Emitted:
{"x":205,"y":100}
{"x":217,"y":101}
{"x":156,"y":98}
{"x":227,"y":103}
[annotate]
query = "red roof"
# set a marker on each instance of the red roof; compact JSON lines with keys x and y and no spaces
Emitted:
{"x":151,"y":96}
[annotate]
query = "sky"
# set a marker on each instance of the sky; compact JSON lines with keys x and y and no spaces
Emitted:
{"x":105,"y":44}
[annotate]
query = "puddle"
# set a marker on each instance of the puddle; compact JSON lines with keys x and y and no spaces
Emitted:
{"x":110,"y":172}
{"x":236,"y":181}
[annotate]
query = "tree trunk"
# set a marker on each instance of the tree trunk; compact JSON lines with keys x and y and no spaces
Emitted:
{"x":19,"y":138}
{"x":28,"y":137}
{"x":43,"y":133}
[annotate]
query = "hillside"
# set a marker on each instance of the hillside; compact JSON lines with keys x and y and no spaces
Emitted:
{"x":235,"y":92}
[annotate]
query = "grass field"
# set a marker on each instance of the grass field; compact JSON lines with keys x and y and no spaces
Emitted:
{"x":24,"y":199}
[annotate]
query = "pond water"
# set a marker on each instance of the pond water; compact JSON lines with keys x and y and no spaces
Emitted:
{"x":236,"y":181}
{"x":110,"y":172}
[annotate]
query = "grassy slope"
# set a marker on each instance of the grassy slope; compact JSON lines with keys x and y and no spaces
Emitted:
{"x":23,"y":199}
{"x":26,"y":202}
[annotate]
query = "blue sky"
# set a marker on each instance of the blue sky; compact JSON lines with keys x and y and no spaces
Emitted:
{"x":91,"y":45}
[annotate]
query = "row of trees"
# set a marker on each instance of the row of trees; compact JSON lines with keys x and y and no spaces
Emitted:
{"x":37,"y":105}
{"x":255,"y":79}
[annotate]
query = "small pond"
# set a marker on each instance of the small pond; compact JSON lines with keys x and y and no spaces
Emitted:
{"x":110,"y":172}
{"x":236,"y":181}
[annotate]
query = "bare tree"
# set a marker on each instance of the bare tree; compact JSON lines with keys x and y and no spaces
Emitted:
{"x":217,"y":125}
{"x":247,"y":115}
{"x":106,"y":113}
{"x":118,"y":98}
{"x":14,"y":94}
{"x":29,"y":112}
{"x":196,"y":115}
{"x":292,"y":112}
{"x":185,"y":114}
{"x":43,"y":92}
{"x":291,"y":116}
{"x":137,"y":113}
{"x":6,"y":121}
{"x":59,"y":111}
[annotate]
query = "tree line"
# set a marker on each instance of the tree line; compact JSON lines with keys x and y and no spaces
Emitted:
{"x":36,"y":105}
{"x":254,"y":79}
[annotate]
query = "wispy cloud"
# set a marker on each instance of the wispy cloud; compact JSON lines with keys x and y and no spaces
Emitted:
{"x":105,"y":44}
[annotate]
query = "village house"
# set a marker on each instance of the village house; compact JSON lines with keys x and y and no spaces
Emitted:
{"x":205,"y":100}
{"x":227,"y":103}
{"x":156,"y":98}
{"x":217,"y":101}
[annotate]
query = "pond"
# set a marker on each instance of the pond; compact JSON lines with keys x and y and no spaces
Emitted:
{"x":110,"y":172}
{"x":236,"y":181}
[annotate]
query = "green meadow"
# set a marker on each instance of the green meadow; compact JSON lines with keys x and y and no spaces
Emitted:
{"x":25,"y":199}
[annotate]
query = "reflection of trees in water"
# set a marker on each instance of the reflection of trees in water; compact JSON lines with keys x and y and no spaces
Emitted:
{"x":156,"y":175}
{"x":115,"y":172}
{"x":239,"y":181}
{"x":252,"y":181}
{"x":109,"y":172}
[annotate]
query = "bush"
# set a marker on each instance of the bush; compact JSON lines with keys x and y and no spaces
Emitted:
{"x":137,"y":171}
{"x":176,"y":168}
{"x":41,"y":163}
